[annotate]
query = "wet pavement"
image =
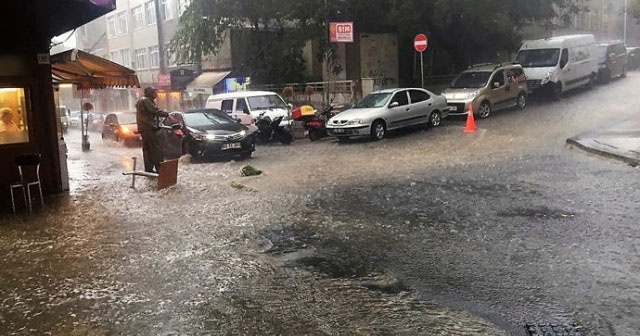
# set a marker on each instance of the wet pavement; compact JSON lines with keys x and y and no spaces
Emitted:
{"x":619,"y":140}
{"x":432,"y":232}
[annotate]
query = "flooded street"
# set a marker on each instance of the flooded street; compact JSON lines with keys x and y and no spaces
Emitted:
{"x":428,"y":232}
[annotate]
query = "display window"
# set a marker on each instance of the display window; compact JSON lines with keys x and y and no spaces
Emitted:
{"x":14,"y":126}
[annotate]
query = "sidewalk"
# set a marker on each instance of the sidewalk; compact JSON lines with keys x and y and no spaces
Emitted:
{"x":619,"y":140}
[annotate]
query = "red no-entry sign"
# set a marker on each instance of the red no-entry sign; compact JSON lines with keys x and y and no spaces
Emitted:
{"x":420,"y":42}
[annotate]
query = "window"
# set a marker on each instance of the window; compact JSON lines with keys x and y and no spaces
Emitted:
{"x":166,"y":9}
{"x":498,"y":78}
{"x":418,"y":96}
{"x":110,"y":119}
{"x":169,"y":57}
{"x":154,"y":59}
{"x":241,"y":105}
{"x":13,"y":119}
{"x":227,"y":106}
{"x":114,"y":56}
{"x":400,"y":98}
{"x":125,"y":57}
{"x":111,"y":26}
{"x":137,"y":17}
{"x":123,"y":25}
{"x":564,"y":58}
{"x":150,"y":12}
{"x":182,"y":6}
{"x":141,"y":58}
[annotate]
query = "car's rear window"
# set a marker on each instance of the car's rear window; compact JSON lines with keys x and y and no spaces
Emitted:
{"x":128,"y":118}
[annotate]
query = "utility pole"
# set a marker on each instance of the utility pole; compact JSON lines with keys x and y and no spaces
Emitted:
{"x":159,"y":25}
{"x":625,"y":23}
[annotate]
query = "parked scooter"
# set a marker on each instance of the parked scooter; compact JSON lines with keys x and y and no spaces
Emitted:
{"x":315,"y":124}
{"x":270,"y":130}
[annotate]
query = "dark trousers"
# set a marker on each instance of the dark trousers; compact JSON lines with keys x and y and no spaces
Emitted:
{"x":151,"y":150}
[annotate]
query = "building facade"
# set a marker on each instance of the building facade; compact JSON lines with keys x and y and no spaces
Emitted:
{"x":130,"y":37}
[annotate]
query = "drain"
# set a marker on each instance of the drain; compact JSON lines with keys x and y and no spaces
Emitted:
{"x":550,"y":329}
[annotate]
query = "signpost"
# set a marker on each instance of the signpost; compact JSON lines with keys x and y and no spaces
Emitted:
{"x":420,"y":43}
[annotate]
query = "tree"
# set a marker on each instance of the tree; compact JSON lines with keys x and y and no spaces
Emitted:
{"x":465,"y":30}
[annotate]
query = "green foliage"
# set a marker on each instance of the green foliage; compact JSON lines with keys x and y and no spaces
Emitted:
{"x":466,"y":30}
{"x":249,"y":170}
{"x":634,"y":9}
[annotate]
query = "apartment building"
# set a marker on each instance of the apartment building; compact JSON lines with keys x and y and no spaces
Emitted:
{"x":129,"y":36}
{"x":603,"y":18}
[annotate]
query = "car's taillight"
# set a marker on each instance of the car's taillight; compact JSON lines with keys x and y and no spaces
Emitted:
{"x":125,"y":130}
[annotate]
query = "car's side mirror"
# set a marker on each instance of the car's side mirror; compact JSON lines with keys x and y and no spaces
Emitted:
{"x":496,"y":85}
{"x":290,"y":105}
{"x":394,"y":104}
{"x":246,"y":111}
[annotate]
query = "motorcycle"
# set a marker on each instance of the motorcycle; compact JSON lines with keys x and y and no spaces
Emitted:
{"x":270,"y":130}
{"x":316,"y":124}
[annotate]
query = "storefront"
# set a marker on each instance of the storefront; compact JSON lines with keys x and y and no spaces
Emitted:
{"x":29,"y":122}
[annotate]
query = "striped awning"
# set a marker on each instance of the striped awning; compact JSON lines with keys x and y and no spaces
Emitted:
{"x":88,"y":71}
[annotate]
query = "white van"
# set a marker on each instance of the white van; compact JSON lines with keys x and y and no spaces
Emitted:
{"x":559,"y":64}
{"x":248,"y":105}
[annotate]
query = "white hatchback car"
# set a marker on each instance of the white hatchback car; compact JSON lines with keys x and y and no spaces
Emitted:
{"x":381,"y":111}
{"x":247,"y":106}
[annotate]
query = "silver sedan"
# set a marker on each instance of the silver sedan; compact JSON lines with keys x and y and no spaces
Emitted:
{"x":381,"y":111}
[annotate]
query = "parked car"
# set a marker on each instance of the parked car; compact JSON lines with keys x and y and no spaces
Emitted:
{"x":559,"y":63}
{"x":634,"y":58}
{"x":206,"y":133}
{"x":612,"y":60}
{"x":119,"y":126}
{"x":487,"y":88}
{"x":381,"y":111}
{"x":74,"y":119}
{"x":248,"y":105}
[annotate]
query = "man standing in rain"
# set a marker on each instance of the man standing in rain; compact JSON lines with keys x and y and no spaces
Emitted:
{"x":148,"y":119}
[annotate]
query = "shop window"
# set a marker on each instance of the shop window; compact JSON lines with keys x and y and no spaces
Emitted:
{"x":13,"y":117}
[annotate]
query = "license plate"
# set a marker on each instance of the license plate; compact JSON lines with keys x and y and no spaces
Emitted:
{"x":453,"y":108}
{"x":231,"y":146}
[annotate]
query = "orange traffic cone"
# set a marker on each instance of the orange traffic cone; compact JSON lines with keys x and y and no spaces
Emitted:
{"x":471,"y":124}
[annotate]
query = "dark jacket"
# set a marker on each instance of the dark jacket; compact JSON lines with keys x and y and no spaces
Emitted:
{"x":148,"y":114}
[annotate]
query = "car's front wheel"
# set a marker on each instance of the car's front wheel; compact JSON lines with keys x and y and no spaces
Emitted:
{"x":245,"y":156}
{"x":435,"y":119}
{"x":522,"y":100}
{"x":484,"y":110}
{"x":378,"y":130}
{"x":556,"y":91}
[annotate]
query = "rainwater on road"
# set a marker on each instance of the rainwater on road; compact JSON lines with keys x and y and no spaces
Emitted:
{"x":428,"y":232}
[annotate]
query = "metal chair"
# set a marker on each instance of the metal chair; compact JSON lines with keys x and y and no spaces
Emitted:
{"x":29,"y":170}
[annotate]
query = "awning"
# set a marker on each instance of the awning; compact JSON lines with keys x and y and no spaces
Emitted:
{"x":205,"y":82}
{"x":89,"y":71}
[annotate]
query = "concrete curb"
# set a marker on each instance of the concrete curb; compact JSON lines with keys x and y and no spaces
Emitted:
{"x":575,"y":141}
